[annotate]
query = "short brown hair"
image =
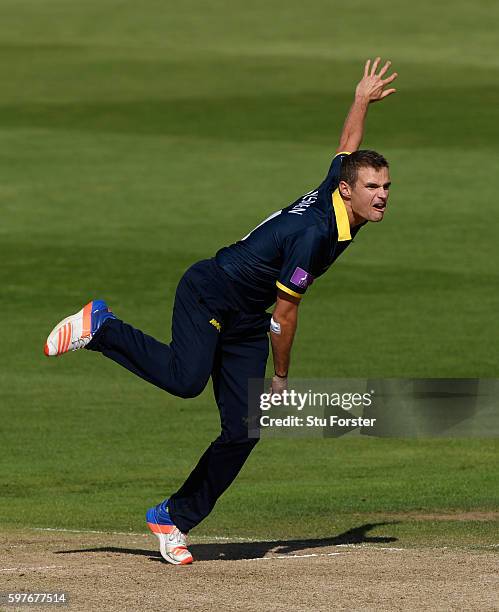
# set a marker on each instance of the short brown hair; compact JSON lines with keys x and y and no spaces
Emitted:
{"x":360,"y":159}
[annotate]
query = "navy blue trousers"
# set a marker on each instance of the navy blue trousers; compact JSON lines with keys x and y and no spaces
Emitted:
{"x":211,"y":336}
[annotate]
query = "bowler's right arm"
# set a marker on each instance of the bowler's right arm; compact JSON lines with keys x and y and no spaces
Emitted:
{"x":370,"y":89}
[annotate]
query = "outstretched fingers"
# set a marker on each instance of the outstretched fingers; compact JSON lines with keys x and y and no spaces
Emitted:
{"x":375,"y":66}
{"x":372,"y":84}
{"x":383,"y":70}
{"x":387,"y":92}
{"x":390,"y":79}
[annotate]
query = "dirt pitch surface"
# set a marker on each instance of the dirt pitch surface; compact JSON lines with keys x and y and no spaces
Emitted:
{"x":101,"y":571}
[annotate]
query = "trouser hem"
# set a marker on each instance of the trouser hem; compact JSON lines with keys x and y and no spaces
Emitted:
{"x":96,"y":344}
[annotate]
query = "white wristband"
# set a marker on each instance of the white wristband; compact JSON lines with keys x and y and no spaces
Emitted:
{"x":275,"y":327}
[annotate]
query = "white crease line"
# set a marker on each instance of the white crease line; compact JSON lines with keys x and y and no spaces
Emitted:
{"x":27,"y":569}
{"x":130,"y":533}
{"x":208,"y":539}
{"x":293,"y":556}
{"x":145,"y":535}
{"x":371,"y":547}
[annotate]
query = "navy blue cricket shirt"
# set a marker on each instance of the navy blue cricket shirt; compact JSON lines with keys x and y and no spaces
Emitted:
{"x":292,"y":247}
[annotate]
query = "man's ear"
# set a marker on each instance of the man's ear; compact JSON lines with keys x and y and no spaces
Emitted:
{"x":345,"y":190}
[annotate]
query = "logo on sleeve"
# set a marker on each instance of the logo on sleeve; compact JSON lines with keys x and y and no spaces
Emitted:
{"x":301,"y":278}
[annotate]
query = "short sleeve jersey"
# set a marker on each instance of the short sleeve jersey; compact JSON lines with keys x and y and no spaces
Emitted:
{"x":292,"y":247}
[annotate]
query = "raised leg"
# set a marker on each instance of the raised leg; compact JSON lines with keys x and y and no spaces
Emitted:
{"x":182,"y":367}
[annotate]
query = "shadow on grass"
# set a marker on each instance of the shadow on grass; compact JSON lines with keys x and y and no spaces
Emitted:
{"x":231,"y":551}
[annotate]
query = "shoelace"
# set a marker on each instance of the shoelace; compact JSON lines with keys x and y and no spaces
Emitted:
{"x":80,"y":343}
{"x":177,"y":537}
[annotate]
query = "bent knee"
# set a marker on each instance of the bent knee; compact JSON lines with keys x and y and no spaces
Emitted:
{"x":188,"y":388}
{"x":187,"y":380}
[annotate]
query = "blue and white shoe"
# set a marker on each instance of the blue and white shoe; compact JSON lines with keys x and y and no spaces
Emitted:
{"x":76,"y":331}
{"x":172,"y":542}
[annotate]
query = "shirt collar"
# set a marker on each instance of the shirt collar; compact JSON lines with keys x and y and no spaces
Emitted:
{"x":342,"y":222}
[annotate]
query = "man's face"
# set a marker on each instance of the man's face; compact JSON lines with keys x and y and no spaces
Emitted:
{"x":369,"y":196}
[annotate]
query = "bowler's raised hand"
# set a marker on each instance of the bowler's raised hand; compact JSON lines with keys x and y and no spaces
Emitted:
{"x":372,"y":86}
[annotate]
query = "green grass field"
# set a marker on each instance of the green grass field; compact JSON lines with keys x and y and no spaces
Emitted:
{"x":140,"y":137}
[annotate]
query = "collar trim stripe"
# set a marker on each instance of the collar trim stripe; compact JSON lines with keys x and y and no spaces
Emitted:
{"x":342,"y":222}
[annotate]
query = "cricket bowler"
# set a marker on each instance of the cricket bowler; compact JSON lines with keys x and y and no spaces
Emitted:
{"x":220,"y":323}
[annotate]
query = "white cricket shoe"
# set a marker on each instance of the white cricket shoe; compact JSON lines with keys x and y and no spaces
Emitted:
{"x":172,"y":542}
{"x":76,"y":331}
